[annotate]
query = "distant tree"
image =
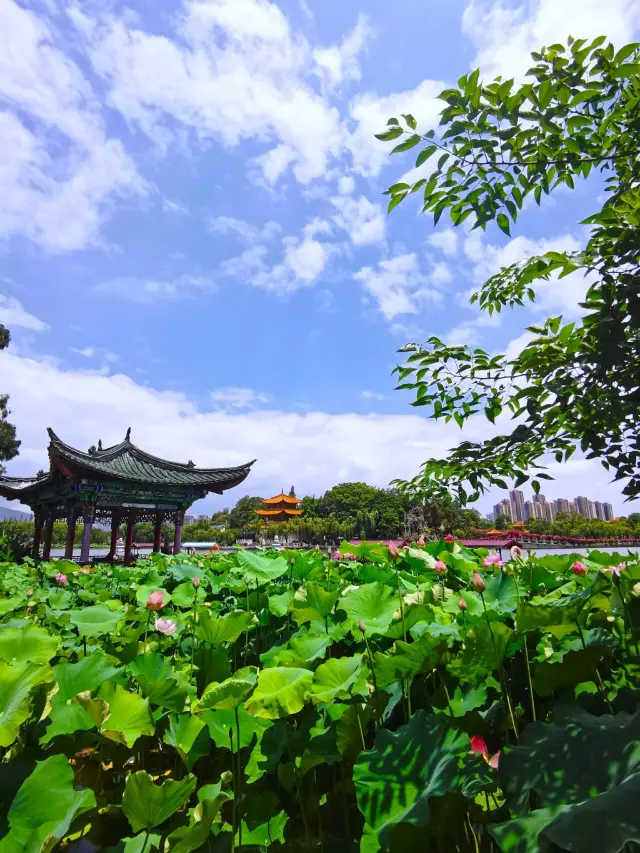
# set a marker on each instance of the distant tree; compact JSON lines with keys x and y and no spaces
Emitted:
{"x":221,"y":517}
{"x":292,"y":492}
{"x":539,"y":525}
{"x":310,"y":506}
{"x":8,"y":443}
{"x":502,"y":522}
{"x":243,"y":514}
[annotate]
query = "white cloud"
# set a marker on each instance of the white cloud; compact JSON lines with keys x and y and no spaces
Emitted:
{"x":238,"y":398}
{"x":440,"y":274}
{"x":313,"y":449}
{"x":93,"y":352}
{"x":339,"y":63}
{"x":87,"y":352}
{"x":397,"y":285}
{"x":56,"y":195}
{"x":446,"y":241}
{"x":505,"y":35}
{"x":174,"y":207}
{"x":13,"y":314}
{"x":372,"y":395}
{"x":245,"y":230}
{"x":362,"y":219}
{"x":346,"y":185}
{"x":152,"y":290}
{"x":370,"y":113}
{"x":233,"y":70}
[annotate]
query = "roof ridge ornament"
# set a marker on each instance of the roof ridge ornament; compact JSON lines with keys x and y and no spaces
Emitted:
{"x":128,"y":435}
{"x":99,"y":444}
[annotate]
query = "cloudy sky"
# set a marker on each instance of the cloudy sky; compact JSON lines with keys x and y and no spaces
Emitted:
{"x":193,"y":237}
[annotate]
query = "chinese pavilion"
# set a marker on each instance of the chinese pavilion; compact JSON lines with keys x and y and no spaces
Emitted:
{"x":120,"y":484}
{"x":280,"y":508}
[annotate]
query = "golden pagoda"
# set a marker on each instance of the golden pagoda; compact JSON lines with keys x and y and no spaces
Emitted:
{"x":280,"y":507}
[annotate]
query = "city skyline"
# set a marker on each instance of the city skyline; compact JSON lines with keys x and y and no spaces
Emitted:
{"x":516,"y":508}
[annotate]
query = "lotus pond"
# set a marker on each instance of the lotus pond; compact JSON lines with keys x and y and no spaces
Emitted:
{"x":429,"y":699}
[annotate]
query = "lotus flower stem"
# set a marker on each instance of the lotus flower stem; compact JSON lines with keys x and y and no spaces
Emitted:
{"x":146,"y":632}
{"x":235,"y":793}
{"x":239,"y":779}
{"x":526,"y":658}
{"x":146,"y":841}
{"x":596,"y":671}
{"x":505,"y":691}
{"x":364,"y":745}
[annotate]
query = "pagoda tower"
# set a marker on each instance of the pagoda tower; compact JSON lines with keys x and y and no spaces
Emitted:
{"x":280,"y":507}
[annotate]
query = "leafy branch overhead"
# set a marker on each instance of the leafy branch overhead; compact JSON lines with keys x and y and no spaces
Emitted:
{"x":574,"y":385}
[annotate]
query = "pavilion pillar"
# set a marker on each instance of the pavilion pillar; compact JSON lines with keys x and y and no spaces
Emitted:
{"x":48,"y":536}
{"x":71,"y":534}
{"x":37,"y":534}
{"x":87,"y":512}
{"x":157,"y":533}
{"x":115,"y":530}
{"x":177,"y":539}
{"x":129,"y":538}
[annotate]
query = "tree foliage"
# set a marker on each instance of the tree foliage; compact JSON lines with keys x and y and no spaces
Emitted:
{"x":8,"y":443}
{"x":574,"y":385}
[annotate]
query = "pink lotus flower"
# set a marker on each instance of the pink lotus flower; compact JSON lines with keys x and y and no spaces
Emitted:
{"x":166,"y":626}
{"x":477,"y":583}
{"x":335,"y":556}
{"x":195,"y":580}
{"x":362,"y":626}
{"x":420,"y":541}
{"x":155,"y":600}
{"x":440,"y":567}
{"x":61,"y":579}
{"x":579,"y":568}
{"x":615,"y":570}
{"x":448,"y":538}
{"x":492,"y":560}
{"x":393,"y":550}
{"x":479,"y":745}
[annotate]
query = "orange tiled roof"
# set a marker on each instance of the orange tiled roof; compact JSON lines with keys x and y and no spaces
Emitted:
{"x":269,"y":513}
{"x":281,"y":498}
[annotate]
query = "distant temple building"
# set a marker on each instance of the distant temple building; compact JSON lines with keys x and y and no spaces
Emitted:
{"x":119,"y":485}
{"x":280,"y":507}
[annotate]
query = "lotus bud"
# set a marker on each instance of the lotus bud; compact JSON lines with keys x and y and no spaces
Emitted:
{"x":477,"y":583}
{"x":317,"y":548}
{"x":362,"y":626}
{"x":195,"y":580}
{"x":440,"y":567}
{"x":155,"y":600}
{"x":448,"y":538}
{"x":61,"y":579}
{"x":579,"y":568}
{"x":292,"y":561}
{"x":462,"y":604}
{"x":29,"y":593}
{"x":420,"y":541}
{"x":393,"y":551}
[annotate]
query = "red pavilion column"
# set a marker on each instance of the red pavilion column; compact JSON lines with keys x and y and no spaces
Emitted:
{"x":48,"y":535}
{"x":129,"y":540}
{"x":115,"y":529}
{"x":88,"y":517}
{"x":71,"y":533}
{"x":177,"y":539}
{"x":37,"y":534}
{"x":157,"y":533}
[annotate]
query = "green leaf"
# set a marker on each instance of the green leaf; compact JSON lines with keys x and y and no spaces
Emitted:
{"x":44,"y":807}
{"x":217,"y":630}
{"x":374,"y":604}
{"x":503,"y":223}
{"x":19,"y":645}
{"x":229,"y":693}
{"x":388,"y":135}
{"x":281,"y":691}
{"x":95,"y":621}
{"x":335,"y":678}
{"x":630,"y":69}
{"x":16,"y":687}
{"x":259,"y":568}
{"x":396,"y":779}
{"x":147,"y":805}
{"x":424,"y":155}
{"x":411,"y":142}
{"x":85,"y":675}
{"x":183,"y":733}
{"x":407,"y":660}
{"x":193,"y":837}
{"x":550,"y":610}
{"x":482,"y":645}
{"x":220,"y":723}
{"x":279,"y":604}
{"x":501,"y":595}
{"x":129,"y":715}
{"x":313,"y":603}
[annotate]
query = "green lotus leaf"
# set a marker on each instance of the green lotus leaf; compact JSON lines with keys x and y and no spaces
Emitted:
{"x":259,"y":568}
{"x":216,"y":630}
{"x":302,"y":648}
{"x":7,"y":605}
{"x":19,"y":645}
{"x":228,"y":693}
{"x":139,"y":844}
{"x":95,"y":621}
{"x":473,"y":601}
{"x":194,"y":837}
{"x":185,"y":593}
{"x":406,"y":660}
{"x":281,"y":691}
{"x":87,"y":674}
{"x":129,"y":715}
{"x":374,"y":604}
{"x":313,"y":603}
{"x":501,"y":594}
{"x":484,"y":651}
{"x":550,"y":610}
{"x":395,"y":780}
{"x":147,"y":805}
{"x":44,"y":807}
{"x":264,"y":834}
{"x":279,"y":604}
{"x":350,"y":727}
{"x":152,"y":667}
{"x":334,"y":678}
{"x":67,"y":718}
{"x":221,"y":723}
{"x":185,"y":734}
{"x":16,"y":686}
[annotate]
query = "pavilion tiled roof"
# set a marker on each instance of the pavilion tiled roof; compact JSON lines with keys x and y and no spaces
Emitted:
{"x":269,"y":513}
{"x":281,"y":498}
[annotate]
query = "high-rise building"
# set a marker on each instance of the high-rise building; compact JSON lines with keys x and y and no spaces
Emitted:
{"x":503,"y":508}
{"x":608,"y":512}
{"x":539,"y":499}
{"x":517,"y":500}
{"x":599,"y":510}
{"x":573,"y":507}
{"x":533,"y":510}
{"x":549,"y":512}
{"x":561,"y":505}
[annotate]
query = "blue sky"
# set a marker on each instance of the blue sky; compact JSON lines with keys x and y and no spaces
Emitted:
{"x":193,"y":237}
